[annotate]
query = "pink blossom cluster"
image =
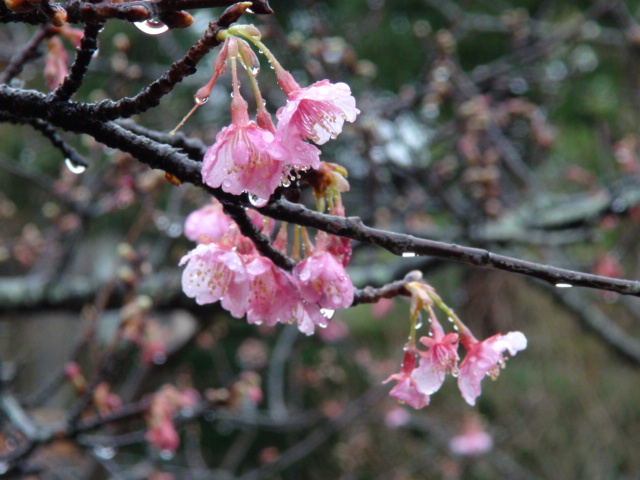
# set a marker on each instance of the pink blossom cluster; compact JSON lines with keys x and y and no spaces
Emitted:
{"x":255,"y":156}
{"x":227,"y":267}
{"x":166,"y":403}
{"x":417,"y":382}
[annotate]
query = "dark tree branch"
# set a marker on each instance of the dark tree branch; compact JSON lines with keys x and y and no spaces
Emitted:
{"x":29,"y":52}
{"x":73,"y":81}
{"x":135,"y":11}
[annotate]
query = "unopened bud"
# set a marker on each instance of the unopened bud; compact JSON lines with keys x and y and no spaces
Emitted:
{"x":58,"y":15}
{"x":19,"y":6}
{"x":179,"y":19}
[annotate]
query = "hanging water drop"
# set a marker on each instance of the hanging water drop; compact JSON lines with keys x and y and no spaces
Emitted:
{"x":106,"y":453}
{"x":408,"y":254}
{"x":74,"y":167}
{"x":256,"y":201}
{"x":201,"y":100}
{"x":254,"y":71}
{"x":419,"y":322}
{"x":166,"y":454}
{"x":327,"y":313}
{"x":159,"y":358}
{"x":563,"y":285}
{"x":151,"y":27}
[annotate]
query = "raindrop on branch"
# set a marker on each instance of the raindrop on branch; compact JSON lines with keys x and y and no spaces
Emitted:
{"x":151,"y":27}
{"x":256,"y":201}
{"x":106,"y":453}
{"x":74,"y":167}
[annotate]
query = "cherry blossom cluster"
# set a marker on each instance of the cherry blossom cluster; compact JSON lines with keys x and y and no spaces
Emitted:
{"x":227,"y":267}
{"x":257,"y":156}
{"x":417,"y":381}
{"x":166,"y":403}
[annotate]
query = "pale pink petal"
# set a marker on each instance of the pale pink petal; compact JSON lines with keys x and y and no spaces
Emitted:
{"x":484,"y":358}
{"x":209,"y":222}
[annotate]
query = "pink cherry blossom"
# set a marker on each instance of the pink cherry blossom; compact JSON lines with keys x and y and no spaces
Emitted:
{"x":308,"y":316}
{"x":209,"y":222}
{"x":216,"y":272}
{"x":317,"y":112}
{"x":272,"y":296}
{"x":440,"y":359}
{"x":245,"y":156}
{"x":406,"y":390}
{"x":322,"y":280}
{"x":486,"y":357}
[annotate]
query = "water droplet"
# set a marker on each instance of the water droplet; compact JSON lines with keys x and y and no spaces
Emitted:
{"x":159,"y":358}
{"x":563,"y":285}
{"x":254,"y":71}
{"x":175,"y":230}
{"x":151,"y":27}
{"x":450,"y":319}
{"x":455,"y":327}
{"x":74,"y":167}
{"x":408,"y":254}
{"x":419,"y":324}
{"x":201,"y":100}
{"x":285,"y":183}
{"x":248,"y":10}
{"x":256,"y":201}
{"x":166,"y":454}
{"x":187,"y":412}
{"x":327,"y":313}
{"x":106,"y":453}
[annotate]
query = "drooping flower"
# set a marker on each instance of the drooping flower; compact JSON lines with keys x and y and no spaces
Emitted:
{"x":272,"y":296}
{"x":406,"y":390}
{"x":322,"y":280}
{"x":209,"y":222}
{"x":216,"y":272}
{"x":308,"y":316}
{"x":245,"y":156}
{"x":316,"y":112}
{"x":440,"y":358}
{"x":486,"y":357}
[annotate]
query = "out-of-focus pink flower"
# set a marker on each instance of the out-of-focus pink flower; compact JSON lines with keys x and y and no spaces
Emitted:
{"x":406,"y":390}
{"x":209,"y":222}
{"x":486,"y":357}
{"x":316,"y":112}
{"x":382,"y":307}
{"x":163,"y":435}
{"x":335,"y":331}
{"x":105,"y":400}
{"x":441,"y":358}
{"x":397,"y":417}
{"x":473,"y":440}
{"x":216,"y":272}
{"x":608,"y":266}
{"x":322,"y":280}
{"x":165,"y":404}
{"x":55,"y":63}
